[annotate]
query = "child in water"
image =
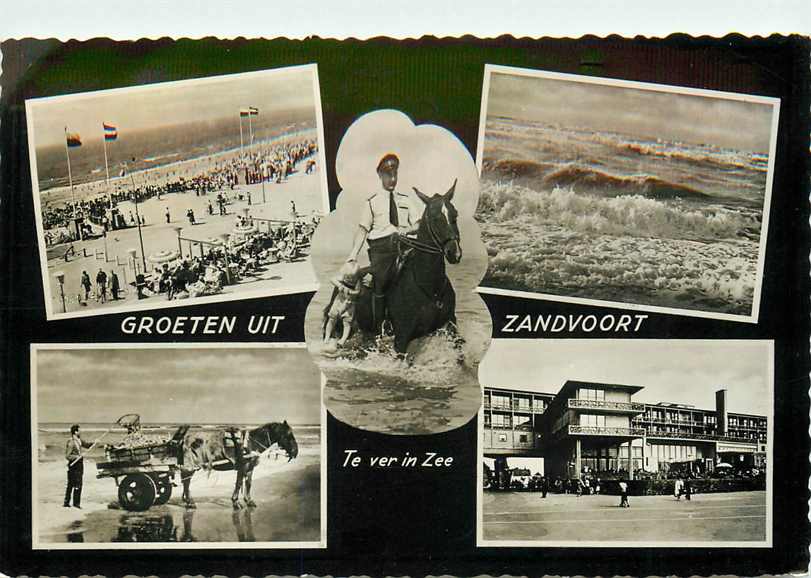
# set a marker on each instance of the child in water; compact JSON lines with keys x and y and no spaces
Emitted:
{"x":347,"y":288}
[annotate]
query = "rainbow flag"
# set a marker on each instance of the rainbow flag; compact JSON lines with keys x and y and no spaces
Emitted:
{"x":73,"y":139}
{"x":244,"y":112}
{"x":110,"y":131}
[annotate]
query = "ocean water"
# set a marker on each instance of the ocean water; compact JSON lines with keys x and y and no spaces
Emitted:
{"x":156,"y":147}
{"x":435,"y":389}
{"x":613,"y":217}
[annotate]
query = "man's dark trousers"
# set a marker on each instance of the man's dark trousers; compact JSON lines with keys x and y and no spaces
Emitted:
{"x":74,"y":487}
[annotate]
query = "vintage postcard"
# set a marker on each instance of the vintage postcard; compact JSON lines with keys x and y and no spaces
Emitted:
{"x":177,"y":193}
{"x":579,"y":447}
{"x":185,"y":446}
{"x":625,"y":194}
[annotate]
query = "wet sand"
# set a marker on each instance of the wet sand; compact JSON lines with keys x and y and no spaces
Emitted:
{"x":287,"y":494}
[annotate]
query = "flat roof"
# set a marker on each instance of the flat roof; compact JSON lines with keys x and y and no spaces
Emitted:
{"x":633,"y":388}
{"x":571,"y":384}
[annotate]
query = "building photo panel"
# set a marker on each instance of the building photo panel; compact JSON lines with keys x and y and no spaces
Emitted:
{"x":623,"y":193}
{"x":626,"y":442}
{"x":181,"y":446}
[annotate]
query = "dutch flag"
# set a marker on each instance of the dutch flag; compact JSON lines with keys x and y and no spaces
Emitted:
{"x":110,"y":131}
{"x":73,"y":139}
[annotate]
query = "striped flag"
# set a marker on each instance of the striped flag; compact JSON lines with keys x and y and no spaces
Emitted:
{"x":244,"y":112}
{"x":110,"y":131}
{"x":253,"y":110}
{"x":73,"y":139}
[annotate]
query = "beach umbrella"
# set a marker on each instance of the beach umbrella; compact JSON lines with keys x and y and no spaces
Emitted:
{"x":163,"y":256}
{"x":245,"y":229}
{"x":723,"y":465}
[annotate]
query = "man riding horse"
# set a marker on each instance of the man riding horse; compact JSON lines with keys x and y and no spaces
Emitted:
{"x":385,"y":216}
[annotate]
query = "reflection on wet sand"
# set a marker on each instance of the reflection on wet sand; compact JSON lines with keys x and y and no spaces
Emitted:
{"x":161,"y":526}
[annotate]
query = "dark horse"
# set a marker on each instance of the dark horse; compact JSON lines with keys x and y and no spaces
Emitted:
{"x":232,"y":449}
{"x":421,"y":299}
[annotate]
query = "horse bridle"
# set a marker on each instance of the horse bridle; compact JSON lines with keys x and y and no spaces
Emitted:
{"x":438,"y":248}
{"x":270,"y":443}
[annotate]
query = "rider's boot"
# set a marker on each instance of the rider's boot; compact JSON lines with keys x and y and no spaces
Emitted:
{"x":378,"y":313}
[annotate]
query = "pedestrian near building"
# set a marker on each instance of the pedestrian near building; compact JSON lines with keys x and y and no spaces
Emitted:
{"x":624,"y":495}
{"x":75,"y":459}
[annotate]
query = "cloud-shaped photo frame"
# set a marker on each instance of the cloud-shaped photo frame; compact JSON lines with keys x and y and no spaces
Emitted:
{"x":374,"y":382}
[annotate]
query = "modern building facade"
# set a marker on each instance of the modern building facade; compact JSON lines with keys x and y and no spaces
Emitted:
{"x":598,"y":428}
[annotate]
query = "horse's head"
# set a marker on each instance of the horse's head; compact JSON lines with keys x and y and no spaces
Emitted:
{"x":283,"y":436}
{"x":438,"y":223}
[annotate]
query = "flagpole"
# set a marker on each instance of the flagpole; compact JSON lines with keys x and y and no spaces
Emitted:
{"x":106,"y":169}
{"x":241,"y":153}
{"x":250,"y":124}
{"x":70,"y":176}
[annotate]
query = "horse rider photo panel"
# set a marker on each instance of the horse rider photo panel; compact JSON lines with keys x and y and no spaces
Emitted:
{"x":625,"y":194}
{"x":396,"y":325}
{"x":177,"y":446}
{"x":177,"y":193}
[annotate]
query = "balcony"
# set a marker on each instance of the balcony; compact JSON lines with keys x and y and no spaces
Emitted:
{"x":696,"y":436}
{"x":606,"y":431}
{"x":612,"y":406}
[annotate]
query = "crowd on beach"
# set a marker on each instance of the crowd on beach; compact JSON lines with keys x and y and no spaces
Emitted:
{"x":271,"y":163}
{"x":220,"y":265}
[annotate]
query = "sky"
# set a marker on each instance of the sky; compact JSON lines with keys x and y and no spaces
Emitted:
{"x":198,"y":385}
{"x":637,"y":112}
{"x":155,"y":105}
{"x":675,"y":371}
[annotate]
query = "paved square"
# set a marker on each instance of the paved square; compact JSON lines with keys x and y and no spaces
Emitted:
{"x":525,"y":516}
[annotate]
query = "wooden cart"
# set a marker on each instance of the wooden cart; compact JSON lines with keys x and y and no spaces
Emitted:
{"x":144,"y":474}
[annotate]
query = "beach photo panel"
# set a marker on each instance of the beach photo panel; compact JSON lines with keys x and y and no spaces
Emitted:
{"x":183,"y":446}
{"x":625,"y":194}
{"x":420,"y":375}
{"x":177,"y":193}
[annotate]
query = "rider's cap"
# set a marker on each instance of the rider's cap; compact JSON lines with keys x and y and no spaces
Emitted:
{"x":389,"y":162}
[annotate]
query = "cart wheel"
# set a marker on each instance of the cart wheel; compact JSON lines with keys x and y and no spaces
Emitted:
{"x":164,"y":490}
{"x":136,"y":492}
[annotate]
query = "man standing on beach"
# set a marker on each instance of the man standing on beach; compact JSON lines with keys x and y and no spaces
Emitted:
{"x":86,"y":284}
{"x":385,"y":216}
{"x":73,"y":454}
{"x":101,"y":286}
{"x":115,"y":287}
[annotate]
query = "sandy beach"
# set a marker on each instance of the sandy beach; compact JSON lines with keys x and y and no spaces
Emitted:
{"x":287,"y":495}
{"x":111,"y":253}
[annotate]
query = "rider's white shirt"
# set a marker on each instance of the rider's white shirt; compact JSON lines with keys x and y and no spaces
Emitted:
{"x":374,"y":217}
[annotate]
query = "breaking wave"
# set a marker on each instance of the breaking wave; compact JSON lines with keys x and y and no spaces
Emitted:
{"x":625,"y":214}
{"x":580,"y":178}
{"x":721,"y":158}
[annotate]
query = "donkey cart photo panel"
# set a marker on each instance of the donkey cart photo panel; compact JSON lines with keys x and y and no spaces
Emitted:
{"x":183,"y":446}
